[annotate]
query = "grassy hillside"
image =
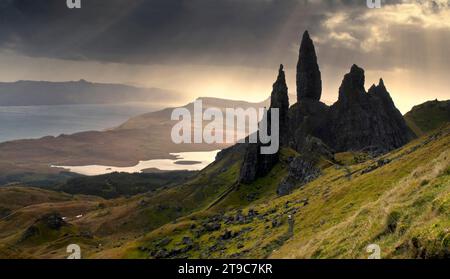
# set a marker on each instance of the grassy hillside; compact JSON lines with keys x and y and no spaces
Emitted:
{"x":400,"y":202}
{"x":117,"y":185}
{"x":116,"y":222}
{"x":428,"y":116}
{"x":24,"y":232}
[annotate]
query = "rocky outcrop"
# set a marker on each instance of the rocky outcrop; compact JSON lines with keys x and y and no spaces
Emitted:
{"x":309,"y":80}
{"x":358,"y":121}
{"x":255,"y":164}
{"x":315,"y":148}
{"x":302,"y":170}
{"x":365,"y":121}
{"x":52,"y":221}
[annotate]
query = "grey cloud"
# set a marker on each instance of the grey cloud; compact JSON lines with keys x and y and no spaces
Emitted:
{"x":259,"y":33}
{"x":161,"y":31}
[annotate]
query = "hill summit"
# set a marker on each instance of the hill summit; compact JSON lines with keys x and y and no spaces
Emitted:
{"x":359,"y":121}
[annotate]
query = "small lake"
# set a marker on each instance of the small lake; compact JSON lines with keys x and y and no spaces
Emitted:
{"x":191,"y":161}
{"x":28,"y":122}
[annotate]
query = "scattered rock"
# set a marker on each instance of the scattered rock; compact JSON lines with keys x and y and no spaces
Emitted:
{"x":161,"y":254}
{"x":227,"y":235}
{"x":252,"y":213}
{"x":305,"y":201}
{"x":210,"y":227}
{"x":379,"y":164}
{"x":53,"y":221}
{"x":163,"y":242}
{"x":277,"y":222}
{"x":187,"y":241}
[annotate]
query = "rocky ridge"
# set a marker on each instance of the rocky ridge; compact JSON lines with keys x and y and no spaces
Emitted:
{"x":359,"y":121}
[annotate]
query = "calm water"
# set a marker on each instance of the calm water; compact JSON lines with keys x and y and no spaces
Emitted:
{"x":191,"y":161}
{"x":39,"y":121}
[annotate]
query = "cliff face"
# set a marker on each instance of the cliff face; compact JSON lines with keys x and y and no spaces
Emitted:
{"x":358,"y":121}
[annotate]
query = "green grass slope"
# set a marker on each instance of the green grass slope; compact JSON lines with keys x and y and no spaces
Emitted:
{"x":428,"y":116}
{"x":24,"y":234}
{"x":115,"y":222}
{"x":400,"y":201}
{"x":115,"y":185}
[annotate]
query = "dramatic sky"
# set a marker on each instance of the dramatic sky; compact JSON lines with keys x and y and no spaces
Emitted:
{"x":228,"y":48}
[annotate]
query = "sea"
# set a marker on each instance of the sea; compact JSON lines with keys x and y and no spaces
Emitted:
{"x":30,"y":122}
{"x":189,"y":161}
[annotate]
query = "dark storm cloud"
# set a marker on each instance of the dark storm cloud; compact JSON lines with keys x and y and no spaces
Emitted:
{"x":160,"y":31}
{"x":221,"y":32}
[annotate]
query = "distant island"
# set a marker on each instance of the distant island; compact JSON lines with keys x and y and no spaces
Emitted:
{"x":36,"y":93}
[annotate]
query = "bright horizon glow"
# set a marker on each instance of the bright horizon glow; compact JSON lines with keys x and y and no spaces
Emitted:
{"x":405,"y":43}
{"x":407,"y":88}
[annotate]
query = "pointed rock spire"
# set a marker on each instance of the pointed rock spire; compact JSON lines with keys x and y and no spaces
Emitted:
{"x":280,"y":83}
{"x":309,"y":79}
{"x":380,"y":92}
{"x":280,"y":100}
{"x":379,"y":89}
{"x":256,"y":164}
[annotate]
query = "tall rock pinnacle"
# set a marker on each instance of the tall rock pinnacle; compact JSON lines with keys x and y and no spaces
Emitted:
{"x":280,"y":100}
{"x":256,"y":164}
{"x":358,"y":121}
{"x":309,"y":80}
